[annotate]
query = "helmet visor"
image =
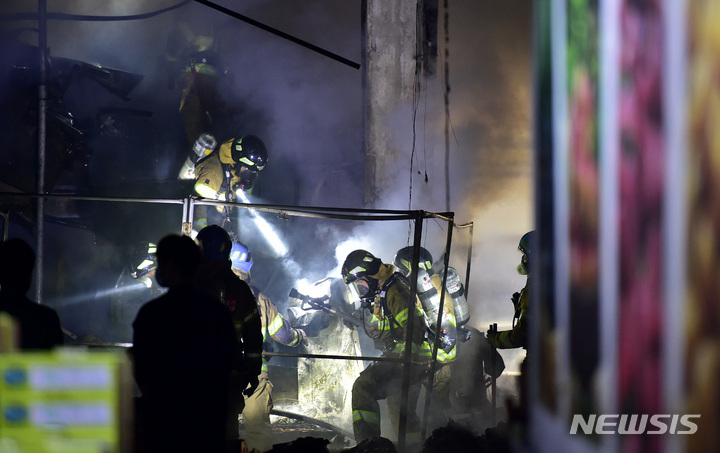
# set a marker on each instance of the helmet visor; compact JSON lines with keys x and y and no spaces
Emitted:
{"x":361,"y":287}
{"x":365,"y":287}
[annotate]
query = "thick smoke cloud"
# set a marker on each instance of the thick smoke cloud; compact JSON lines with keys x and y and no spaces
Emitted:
{"x":308,"y":109}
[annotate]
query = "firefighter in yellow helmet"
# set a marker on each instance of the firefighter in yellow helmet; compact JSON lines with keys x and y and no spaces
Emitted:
{"x":387,"y":294}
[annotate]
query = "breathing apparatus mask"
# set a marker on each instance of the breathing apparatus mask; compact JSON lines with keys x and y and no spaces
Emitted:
{"x":245,"y":179}
{"x":247,"y":176}
{"x":524,"y":267}
{"x":366,"y":289}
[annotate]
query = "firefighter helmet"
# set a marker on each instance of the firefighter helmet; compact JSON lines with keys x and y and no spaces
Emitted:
{"x":215,"y":243}
{"x":404,"y":256}
{"x":526,"y":246}
{"x":359,"y":264}
{"x":527,"y":243}
{"x":241,"y":257}
{"x":249,"y":151}
{"x":143,"y":259}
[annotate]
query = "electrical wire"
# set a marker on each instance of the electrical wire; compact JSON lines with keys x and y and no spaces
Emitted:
{"x":81,"y":17}
{"x":446,"y":98}
{"x":415,"y":103}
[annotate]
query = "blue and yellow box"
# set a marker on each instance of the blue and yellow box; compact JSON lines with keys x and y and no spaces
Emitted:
{"x":66,"y":400}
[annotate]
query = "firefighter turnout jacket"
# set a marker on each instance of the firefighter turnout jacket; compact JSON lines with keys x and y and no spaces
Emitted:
{"x":518,"y":335}
{"x":275,"y":326}
{"x":392,"y":313}
{"x":217,"y":278}
{"x":215,"y":176}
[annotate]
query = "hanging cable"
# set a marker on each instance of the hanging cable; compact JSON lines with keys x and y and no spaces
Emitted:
{"x":416,"y":102}
{"x":279,"y":33}
{"x":425,"y":109}
{"x":91,"y":18}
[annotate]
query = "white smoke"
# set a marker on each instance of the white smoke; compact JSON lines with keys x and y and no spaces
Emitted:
{"x":308,"y":109}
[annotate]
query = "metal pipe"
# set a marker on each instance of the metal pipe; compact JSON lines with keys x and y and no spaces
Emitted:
{"x":42,"y":142}
{"x":298,"y":211}
{"x":6,"y":224}
{"x":438,"y":326}
{"x":82,"y":198}
{"x":312,"y":210}
{"x":407,"y":363}
{"x":187,"y":219}
{"x":469,"y":258}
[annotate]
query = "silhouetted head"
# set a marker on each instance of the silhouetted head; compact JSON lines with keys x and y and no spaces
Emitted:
{"x":452,"y":437}
{"x":215,"y":243}
{"x":17,"y":262}
{"x":178,"y":257}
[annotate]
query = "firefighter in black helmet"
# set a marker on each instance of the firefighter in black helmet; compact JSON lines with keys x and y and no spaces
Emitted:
{"x":387,"y":294}
{"x":215,"y":277}
{"x":429,"y":289}
{"x":517,"y":336}
{"x":233,"y":167}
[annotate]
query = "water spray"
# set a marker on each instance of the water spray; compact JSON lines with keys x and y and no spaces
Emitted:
{"x":267,"y":230}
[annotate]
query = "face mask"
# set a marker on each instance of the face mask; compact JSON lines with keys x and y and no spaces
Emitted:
{"x":365,"y":288}
{"x":522,"y":268}
{"x":247,"y":176}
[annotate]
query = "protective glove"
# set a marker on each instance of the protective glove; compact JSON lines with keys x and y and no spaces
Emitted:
{"x":490,"y":336}
{"x":303,"y":337}
{"x":463,"y":334}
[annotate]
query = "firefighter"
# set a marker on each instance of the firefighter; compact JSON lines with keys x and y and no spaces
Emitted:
{"x":517,"y":336}
{"x":259,"y":404}
{"x":135,"y":286}
{"x":233,"y":167}
{"x":429,"y":289}
{"x":191,"y":55}
{"x":215,"y":277}
{"x":387,"y":294}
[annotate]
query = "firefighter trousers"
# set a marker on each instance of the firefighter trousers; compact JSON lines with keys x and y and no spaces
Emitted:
{"x":256,"y":415}
{"x":377,"y":382}
{"x":440,"y":403}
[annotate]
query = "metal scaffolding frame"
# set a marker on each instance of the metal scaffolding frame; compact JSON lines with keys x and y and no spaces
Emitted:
{"x":188,"y":204}
{"x":417,"y":217}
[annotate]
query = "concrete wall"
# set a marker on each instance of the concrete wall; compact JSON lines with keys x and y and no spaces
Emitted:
{"x":389,"y":61}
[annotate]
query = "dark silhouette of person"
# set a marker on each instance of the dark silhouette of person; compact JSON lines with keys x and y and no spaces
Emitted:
{"x":183,"y":353}
{"x":39,"y":325}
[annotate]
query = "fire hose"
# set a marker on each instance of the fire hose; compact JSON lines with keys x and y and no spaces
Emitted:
{"x":318,"y":303}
